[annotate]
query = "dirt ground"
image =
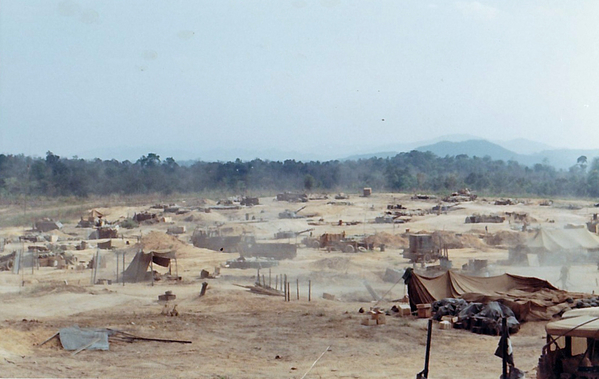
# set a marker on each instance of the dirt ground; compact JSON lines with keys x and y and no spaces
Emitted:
{"x":238,"y":334}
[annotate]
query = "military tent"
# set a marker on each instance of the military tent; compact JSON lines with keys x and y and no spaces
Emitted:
{"x":137,"y":271}
{"x":563,"y":240}
{"x":529,"y":298}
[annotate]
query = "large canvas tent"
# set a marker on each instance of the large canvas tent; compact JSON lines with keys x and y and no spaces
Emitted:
{"x":137,"y":271}
{"x":563,"y":240}
{"x":529,"y":298}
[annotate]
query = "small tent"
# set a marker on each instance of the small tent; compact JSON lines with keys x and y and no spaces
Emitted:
{"x":137,"y":271}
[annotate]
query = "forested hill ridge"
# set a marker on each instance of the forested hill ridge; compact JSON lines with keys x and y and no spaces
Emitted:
{"x":529,"y":152}
{"x":405,"y":172}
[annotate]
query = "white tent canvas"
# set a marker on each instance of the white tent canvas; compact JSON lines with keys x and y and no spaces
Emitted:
{"x":558,"y":240}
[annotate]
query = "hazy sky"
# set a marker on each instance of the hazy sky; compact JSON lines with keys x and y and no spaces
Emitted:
{"x":322,"y":77}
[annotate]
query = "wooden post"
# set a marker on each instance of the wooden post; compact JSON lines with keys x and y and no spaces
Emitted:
{"x":277,"y":282}
{"x":263,"y":281}
{"x":117,"y":268}
{"x":96,"y":264}
{"x":309,"y":290}
{"x":91,"y":279}
{"x":269,"y":279}
{"x":297,"y":287}
{"x":424,"y":373}
{"x":203,"y":290}
{"x":176,"y":267}
{"x":288,"y":291}
{"x":285,"y":291}
{"x":123,"y":276}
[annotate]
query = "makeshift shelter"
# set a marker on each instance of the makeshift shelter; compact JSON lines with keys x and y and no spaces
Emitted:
{"x":75,"y":338}
{"x":137,"y":271}
{"x":529,"y":298}
{"x":94,"y":214}
{"x":47,"y":225}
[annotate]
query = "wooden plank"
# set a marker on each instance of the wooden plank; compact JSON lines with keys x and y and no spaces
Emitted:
{"x":48,"y":340}
{"x":85,"y":346}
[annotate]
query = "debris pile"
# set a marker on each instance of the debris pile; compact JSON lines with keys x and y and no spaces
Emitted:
{"x":263,"y":289}
{"x":505,"y":202}
{"x":78,"y":339}
{"x":482,"y":218}
{"x":251,"y":262}
{"x":463,"y":195}
{"x":504,"y":238}
{"x":477,"y":317}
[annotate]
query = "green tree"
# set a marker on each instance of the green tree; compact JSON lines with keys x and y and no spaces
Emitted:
{"x":309,"y":182}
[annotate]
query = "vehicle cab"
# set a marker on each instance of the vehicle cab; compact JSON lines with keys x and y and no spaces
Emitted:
{"x":572,"y":349}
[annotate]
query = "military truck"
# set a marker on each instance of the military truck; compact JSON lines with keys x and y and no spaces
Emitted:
{"x":423,"y":249}
{"x":572,"y":349}
{"x":336,"y":242}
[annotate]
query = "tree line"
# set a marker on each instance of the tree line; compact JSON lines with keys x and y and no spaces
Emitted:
{"x":414,"y":171}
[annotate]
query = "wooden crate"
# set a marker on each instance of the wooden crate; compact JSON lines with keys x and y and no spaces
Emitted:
{"x":424,"y":310}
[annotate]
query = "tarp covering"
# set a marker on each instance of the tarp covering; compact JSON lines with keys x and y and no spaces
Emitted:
{"x":556,"y":240}
{"x":75,"y":338}
{"x":529,"y":298}
{"x":137,"y":271}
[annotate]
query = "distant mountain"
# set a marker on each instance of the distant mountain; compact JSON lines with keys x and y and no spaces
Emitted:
{"x":391,"y":150}
{"x":523,"y":151}
{"x":472,"y":148}
{"x":382,"y":154}
{"x":524,"y":146}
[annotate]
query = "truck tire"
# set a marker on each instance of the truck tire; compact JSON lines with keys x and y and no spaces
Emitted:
{"x":349,"y":249}
{"x":427,"y":258}
{"x":315,"y":244}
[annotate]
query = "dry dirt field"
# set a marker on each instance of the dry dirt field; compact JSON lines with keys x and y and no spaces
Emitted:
{"x":238,"y":334}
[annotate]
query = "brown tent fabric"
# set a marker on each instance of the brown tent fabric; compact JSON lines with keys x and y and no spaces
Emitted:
{"x":137,"y":271}
{"x":529,"y":298}
{"x":95,"y":214}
